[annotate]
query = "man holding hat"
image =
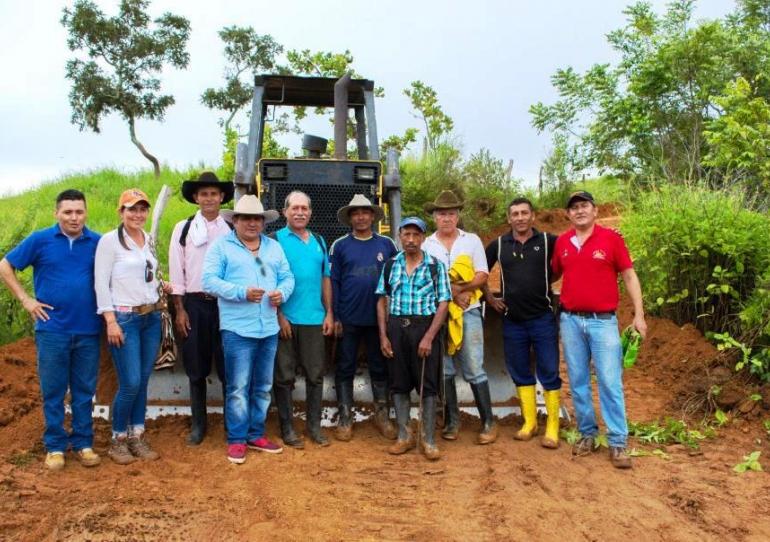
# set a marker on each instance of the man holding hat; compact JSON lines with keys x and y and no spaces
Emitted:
{"x":250,"y":275}
{"x":589,"y":258}
{"x":356,"y":263}
{"x":448,"y":244}
{"x":414,"y":290}
{"x":197,"y":315}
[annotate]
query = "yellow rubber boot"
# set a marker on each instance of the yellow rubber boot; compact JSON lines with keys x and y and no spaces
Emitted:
{"x":528,"y":412}
{"x":551,"y":437}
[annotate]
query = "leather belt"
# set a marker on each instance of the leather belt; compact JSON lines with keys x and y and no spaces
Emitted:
{"x":587,"y":314}
{"x":143,"y":309}
{"x":202,"y":295}
{"x":406,"y":321}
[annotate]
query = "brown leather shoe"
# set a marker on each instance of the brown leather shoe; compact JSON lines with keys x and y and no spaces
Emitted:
{"x":620,"y":459}
{"x":402,"y":446}
{"x":584,"y":446}
{"x":487,"y":436}
{"x":430,"y":451}
{"x":119,"y":451}
{"x":140,"y":449}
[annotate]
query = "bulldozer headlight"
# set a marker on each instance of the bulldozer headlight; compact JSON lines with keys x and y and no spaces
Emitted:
{"x":365,"y":174}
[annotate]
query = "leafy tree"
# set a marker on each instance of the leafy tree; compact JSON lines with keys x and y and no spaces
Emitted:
{"x":425,"y":101}
{"x":400,"y":143}
{"x":125,"y":56}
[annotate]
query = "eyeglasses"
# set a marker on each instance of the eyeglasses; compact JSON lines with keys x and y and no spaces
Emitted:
{"x":261,"y":266}
{"x":148,"y":275}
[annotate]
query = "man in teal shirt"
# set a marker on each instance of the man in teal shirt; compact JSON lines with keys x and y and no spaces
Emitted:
{"x":304,"y":320}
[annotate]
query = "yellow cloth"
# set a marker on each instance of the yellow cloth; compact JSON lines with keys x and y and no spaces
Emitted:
{"x":461,"y":271}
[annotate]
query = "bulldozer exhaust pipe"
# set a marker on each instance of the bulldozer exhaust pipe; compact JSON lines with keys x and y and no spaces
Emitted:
{"x":341,"y":117}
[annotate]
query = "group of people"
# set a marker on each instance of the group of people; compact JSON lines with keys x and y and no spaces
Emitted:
{"x":259,"y":307}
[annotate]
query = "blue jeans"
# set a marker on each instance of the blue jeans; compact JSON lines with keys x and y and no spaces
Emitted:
{"x":67,"y":361}
{"x":249,"y":375}
{"x":133,"y":365}
{"x":592,"y":338}
{"x":471,"y":353}
{"x":518,"y":337}
{"x":348,"y":353}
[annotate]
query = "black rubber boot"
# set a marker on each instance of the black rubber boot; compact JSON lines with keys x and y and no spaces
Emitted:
{"x":405,"y":440}
{"x":285,"y":414}
{"x":382,"y":410}
{"x":198,"y":411}
{"x":428,"y":439}
{"x":314,"y":405}
{"x":344,"y":430}
{"x":488,"y":433}
{"x":451,"y":410}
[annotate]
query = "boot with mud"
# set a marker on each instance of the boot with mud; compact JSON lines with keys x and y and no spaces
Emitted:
{"x":405,"y":440}
{"x":382,"y":411}
{"x":344,"y":431}
{"x":552,"y":403}
{"x":314,"y":400}
{"x":140,"y":448}
{"x":488,"y":433}
{"x":527,"y":400}
{"x":285,"y":409}
{"x":428,"y":438}
{"x":119,"y":451}
{"x":451,"y":410}
{"x":198,"y":412}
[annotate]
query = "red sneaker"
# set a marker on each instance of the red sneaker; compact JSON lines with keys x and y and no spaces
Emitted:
{"x":236,"y":453}
{"x":261,"y":444}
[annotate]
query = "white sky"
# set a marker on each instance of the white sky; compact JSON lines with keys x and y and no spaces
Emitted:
{"x":488,"y":61}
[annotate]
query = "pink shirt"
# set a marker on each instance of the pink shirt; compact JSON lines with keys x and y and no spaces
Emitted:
{"x":185,"y":263}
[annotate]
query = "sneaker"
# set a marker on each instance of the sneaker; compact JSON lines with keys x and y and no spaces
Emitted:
{"x":54,"y":460}
{"x":584,"y":446}
{"x":620,"y":459}
{"x":141,"y":449}
{"x":119,"y":451}
{"x":88,"y":458}
{"x":261,"y":444}
{"x":236,"y":453}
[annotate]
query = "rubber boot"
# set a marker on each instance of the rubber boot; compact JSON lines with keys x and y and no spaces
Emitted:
{"x":314,"y":400}
{"x":428,"y":440}
{"x":344,"y":431}
{"x":405,"y":439}
{"x":198,"y":412}
{"x":528,"y":412}
{"x":551,"y":437}
{"x":382,"y":411}
{"x":451,"y":410}
{"x":488,"y":433}
{"x":285,"y":409}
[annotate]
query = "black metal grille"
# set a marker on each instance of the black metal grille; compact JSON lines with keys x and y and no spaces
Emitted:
{"x":326,"y":200}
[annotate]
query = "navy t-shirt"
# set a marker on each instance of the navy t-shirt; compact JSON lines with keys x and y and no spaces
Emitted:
{"x":356,"y":267}
{"x":63,"y":277}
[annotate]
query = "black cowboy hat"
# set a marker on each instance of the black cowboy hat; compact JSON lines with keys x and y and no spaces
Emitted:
{"x":207,"y":178}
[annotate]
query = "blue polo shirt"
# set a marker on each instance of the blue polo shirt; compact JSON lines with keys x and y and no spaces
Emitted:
{"x":63,"y":276}
{"x":309,"y":264}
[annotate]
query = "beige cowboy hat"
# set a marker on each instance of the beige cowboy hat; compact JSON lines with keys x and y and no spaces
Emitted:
{"x":251,"y":206}
{"x":445,"y":200}
{"x":359,"y":201}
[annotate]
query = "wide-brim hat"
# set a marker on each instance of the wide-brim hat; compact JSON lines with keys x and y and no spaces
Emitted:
{"x":445,"y":200}
{"x":249,"y":205}
{"x":359,"y":201}
{"x":206,"y":179}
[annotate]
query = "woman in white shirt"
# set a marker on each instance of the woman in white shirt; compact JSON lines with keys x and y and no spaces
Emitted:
{"x":126,"y":283}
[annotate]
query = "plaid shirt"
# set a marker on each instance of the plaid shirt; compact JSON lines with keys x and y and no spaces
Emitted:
{"x":415,"y":295}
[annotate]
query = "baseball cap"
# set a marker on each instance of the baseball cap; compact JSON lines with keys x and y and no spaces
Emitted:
{"x":131,"y":197}
{"x":581,"y":195}
{"x":413,"y":221}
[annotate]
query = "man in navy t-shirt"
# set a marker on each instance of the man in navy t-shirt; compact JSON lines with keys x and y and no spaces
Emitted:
{"x":67,"y":327}
{"x":356,"y":263}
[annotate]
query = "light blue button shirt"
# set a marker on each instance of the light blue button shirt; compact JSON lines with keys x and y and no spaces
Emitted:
{"x":230,"y":268}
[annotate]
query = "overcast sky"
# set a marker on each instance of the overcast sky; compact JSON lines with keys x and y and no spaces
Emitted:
{"x":488,"y":61}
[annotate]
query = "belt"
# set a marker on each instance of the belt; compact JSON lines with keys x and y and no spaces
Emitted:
{"x":143,"y":309}
{"x":407,"y":321}
{"x":202,"y":295}
{"x":587,"y":314}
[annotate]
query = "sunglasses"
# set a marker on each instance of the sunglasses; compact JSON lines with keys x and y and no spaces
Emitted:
{"x":261,"y":266}
{"x":148,"y":275}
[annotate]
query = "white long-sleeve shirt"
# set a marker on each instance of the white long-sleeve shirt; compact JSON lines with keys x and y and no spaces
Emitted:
{"x":119,"y":274}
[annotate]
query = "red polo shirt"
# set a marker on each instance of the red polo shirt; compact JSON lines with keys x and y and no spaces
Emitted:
{"x":590,"y":273}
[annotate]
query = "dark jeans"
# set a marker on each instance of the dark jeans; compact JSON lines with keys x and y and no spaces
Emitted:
{"x":543,"y":334}
{"x":406,"y":365}
{"x":306,"y":348}
{"x":67,"y":361}
{"x":204,"y":341}
{"x":346,"y":360}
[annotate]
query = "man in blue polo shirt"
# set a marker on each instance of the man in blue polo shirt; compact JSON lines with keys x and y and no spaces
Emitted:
{"x":304,"y":319}
{"x":67,"y":327}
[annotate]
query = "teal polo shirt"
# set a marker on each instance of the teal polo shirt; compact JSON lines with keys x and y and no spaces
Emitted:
{"x":309,"y":263}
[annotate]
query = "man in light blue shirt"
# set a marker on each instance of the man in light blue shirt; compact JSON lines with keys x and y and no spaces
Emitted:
{"x":250,"y":275}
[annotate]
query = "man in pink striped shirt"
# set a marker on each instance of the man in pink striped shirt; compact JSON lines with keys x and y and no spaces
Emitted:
{"x":197,"y":315}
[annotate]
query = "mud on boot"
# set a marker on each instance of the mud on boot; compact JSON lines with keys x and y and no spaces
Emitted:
{"x":405,"y":439}
{"x":527,"y":401}
{"x":119,"y":451}
{"x":314,"y":405}
{"x":344,"y":431}
{"x":451,"y":410}
{"x":428,"y":438}
{"x":488,"y":433}
{"x":382,"y":411}
{"x":285,"y":409}
{"x":140,"y":448}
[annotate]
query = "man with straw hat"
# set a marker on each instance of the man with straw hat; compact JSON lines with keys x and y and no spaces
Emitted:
{"x":250,"y":275}
{"x":357,"y":260}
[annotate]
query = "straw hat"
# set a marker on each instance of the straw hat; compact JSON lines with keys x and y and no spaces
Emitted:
{"x":445,"y":200}
{"x":249,"y":205}
{"x":359,"y":201}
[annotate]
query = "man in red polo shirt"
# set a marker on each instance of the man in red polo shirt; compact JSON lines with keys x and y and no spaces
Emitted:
{"x":590,"y":257}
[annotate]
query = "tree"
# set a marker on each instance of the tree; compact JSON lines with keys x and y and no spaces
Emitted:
{"x":425,"y":100}
{"x":125,"y":57}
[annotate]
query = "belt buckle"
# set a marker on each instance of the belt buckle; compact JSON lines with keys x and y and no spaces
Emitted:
{"x":406,"y":322}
